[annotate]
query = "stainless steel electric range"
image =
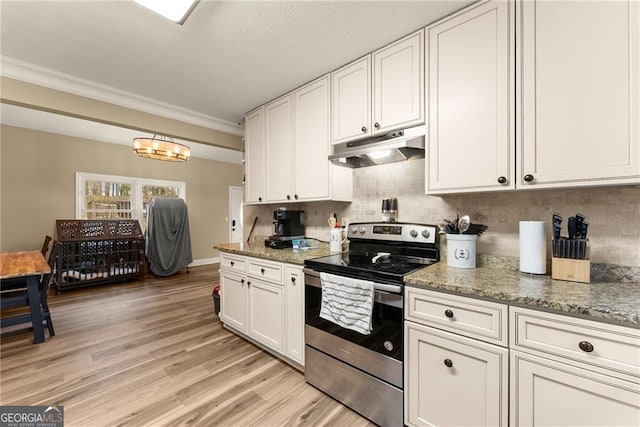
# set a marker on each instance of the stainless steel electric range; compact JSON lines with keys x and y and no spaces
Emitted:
{"x":365,"y":372}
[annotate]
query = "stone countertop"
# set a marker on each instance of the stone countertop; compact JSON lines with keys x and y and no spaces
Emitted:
{"x":289,"y":255}
{"x":615,"y":302}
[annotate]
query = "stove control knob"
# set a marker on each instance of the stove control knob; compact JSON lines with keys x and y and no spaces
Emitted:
{"x":362,"y":230}
{"x":413,"y":233}
{"x":426,"y":234}
{"x":354,"y":230}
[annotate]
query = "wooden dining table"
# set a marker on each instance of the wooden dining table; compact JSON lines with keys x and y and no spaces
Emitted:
{"x":30,"y":266}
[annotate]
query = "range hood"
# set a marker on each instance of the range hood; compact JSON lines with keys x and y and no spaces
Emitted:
{"x":404,"y":144}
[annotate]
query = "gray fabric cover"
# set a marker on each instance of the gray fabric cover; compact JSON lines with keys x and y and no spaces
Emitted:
{"x":168,"y":242}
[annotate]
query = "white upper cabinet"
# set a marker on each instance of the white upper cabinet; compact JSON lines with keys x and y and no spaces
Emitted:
{"x":254,"y":156}
{"x":312,"y":140}
{"x":471,"y":96}
{"x":580,"y":93}
{"x":279,"y":149}
{"x":398,"y":84}
{"x":352,"y":101}
{"x":380,"y":92}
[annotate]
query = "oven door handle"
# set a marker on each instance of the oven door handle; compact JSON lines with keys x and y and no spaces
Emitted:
{"x":395,"y":289}
{"x":312,"y":278}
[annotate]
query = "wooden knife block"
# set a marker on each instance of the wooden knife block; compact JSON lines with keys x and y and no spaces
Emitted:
{"x":573,"y":270}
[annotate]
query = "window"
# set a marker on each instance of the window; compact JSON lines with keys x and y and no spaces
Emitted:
{"x":113,"y":197}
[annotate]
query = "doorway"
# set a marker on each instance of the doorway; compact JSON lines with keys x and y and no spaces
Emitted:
{"x":235,"y":214}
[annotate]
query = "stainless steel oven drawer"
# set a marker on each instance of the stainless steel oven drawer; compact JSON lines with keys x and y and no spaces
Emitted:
{"x":378,"y":401}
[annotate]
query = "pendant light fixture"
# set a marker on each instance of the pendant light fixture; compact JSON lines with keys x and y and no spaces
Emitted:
{"x":161,"y":148}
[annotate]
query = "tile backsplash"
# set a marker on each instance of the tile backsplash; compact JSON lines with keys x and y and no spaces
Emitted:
{"x":613,"y":213}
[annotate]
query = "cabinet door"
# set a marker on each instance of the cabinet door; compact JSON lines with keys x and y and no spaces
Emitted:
{"x":452,"y":380}
{"x":294,"y":298}
{"x":279,"y":149}
{"x":266,"y":313}
{"x":580,"y":93}
{"x":234,"y":300}
{"x":470,"y":111}
{"x":254,"y":156}
{"x":351,"y":101}
{"x":398,"y":84}
{"x":548,"y":393}
{"x":312,"y":141}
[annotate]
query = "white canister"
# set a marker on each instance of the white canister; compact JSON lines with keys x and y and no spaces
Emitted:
{"x":533,"y":247}
{"x":337,"y":238}
{"x":461,"y":250}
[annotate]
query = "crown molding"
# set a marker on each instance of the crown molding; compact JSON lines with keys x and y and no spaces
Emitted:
{"x":30,"y":73}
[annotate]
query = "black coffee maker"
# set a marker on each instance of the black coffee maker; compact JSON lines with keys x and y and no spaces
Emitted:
{"x":287,"y":226}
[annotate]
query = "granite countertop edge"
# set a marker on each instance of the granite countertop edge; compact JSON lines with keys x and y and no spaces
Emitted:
{"x":612,"y":302}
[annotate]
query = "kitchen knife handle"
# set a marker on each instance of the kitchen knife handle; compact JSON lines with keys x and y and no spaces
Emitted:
{"x":572,"y":228}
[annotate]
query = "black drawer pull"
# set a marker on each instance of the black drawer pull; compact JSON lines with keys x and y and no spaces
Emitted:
{"x":262,"y":270}
{"x":293,"y":280}
{"x":242,"y":281}
{"x":448,"y":313}
{"x":448,"y":363}
{"x":585,"y":346}
{"x":232,"y":263}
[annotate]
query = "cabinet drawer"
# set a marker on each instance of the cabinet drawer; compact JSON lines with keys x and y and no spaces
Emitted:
{"x":470,"y":317}
{"x":233,"y":263}
{"x":599,"y":344}
{"x":266,"y":270}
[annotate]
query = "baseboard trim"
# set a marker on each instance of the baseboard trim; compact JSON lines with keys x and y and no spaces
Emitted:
{"x":204,"y":261}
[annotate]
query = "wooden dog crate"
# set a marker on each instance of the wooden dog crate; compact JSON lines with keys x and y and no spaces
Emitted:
{"x":98,"y":251}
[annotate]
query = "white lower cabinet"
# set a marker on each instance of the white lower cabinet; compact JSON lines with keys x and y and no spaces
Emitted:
{"x":294,"y":312}
{"x":266,"y":313}
{"x":454,"y":380}
{"x":234,"y":297}
{"x":456,"y":360}
{"x":549,"y":393}
{"x":264,"y":302}
{"x":570,"y":371}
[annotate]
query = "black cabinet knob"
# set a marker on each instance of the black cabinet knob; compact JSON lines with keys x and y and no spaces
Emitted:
{"x":528,"y":178}
{"x":293,"y":280}
{"x":364,"y":128}
{"x":585,"y":346}
{"x":448,"y":313}
{"x":248,"y":283}
{"x":288,"y":197}
{"x":262,"y":270}
{"x":376,"y":125}
{"x":502,"y":180}
{"x":232,"y":263}
{"x":259,"y":199}
{"x":242,"y":281}
{"x":295,"y":196}
{"x":448,"y":363}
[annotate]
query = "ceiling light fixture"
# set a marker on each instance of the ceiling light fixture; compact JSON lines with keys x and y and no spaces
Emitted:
{"x":161,"y":148}
{"x":175,"y":10}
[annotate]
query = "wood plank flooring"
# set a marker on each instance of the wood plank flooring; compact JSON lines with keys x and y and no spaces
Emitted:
{"x":153,"y":353}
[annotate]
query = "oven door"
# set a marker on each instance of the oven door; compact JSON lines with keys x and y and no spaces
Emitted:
{"x":382,"y":350}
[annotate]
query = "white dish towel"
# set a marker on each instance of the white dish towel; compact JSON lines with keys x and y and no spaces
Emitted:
{"x":347,"y":302}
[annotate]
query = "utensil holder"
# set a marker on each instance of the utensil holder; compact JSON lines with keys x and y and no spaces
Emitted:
{"x":461,"y":250}
{"x":573,"y":270}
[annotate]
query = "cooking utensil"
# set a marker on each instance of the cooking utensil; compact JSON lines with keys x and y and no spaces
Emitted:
{"x":477,"y":229}
{"x":443,"y":226}
{"x":251,"y":231}
{"x":463,"y":223}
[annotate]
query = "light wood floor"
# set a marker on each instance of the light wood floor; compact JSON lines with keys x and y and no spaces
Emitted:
{"x":153,"y":353}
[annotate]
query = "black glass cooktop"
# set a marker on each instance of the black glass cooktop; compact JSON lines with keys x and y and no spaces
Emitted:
{"x":372,"y":266}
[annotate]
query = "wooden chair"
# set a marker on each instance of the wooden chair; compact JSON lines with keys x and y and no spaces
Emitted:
{"x":19,"y":298}
{"x":45,"y":245}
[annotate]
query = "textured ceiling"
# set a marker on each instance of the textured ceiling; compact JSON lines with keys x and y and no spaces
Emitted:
{"x":228,"y":57}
